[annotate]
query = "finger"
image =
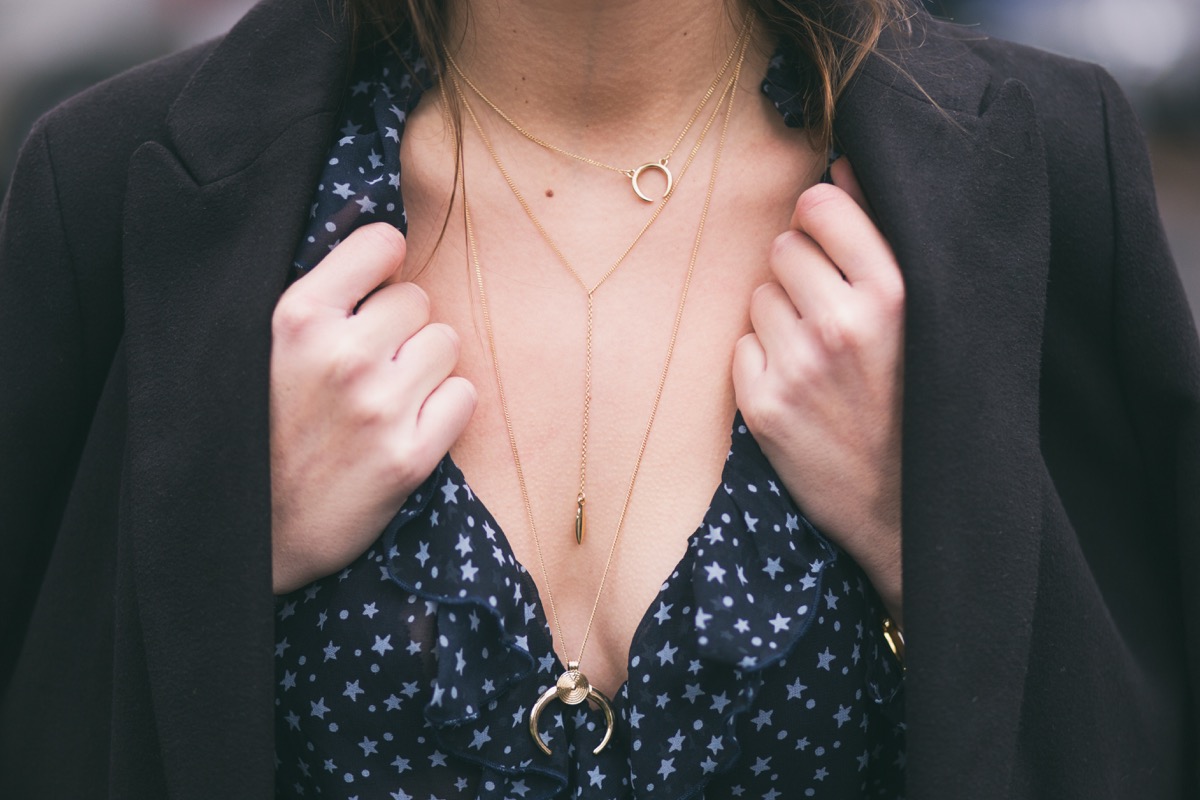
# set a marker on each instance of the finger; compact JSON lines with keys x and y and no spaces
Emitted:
{"x":445,"y":415}
{"x":368,"y":256}
{"x":749,"y":363}
{"x":847,"y":235}
{"x":390,"y":317}
{"x":423,"y":363}
{"x":774,"y":318}
{"x":812,"y":281}
{"x":844,"y":178}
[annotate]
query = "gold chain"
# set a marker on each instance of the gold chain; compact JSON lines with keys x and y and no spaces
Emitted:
{"x":572,"y":686}
{"x":633,"y":173}
{"x":581,"y":498}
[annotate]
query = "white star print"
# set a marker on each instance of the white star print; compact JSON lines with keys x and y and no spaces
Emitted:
{"x":664,"y":612}
{"x":382,"y":644}
{"x":667,"y":654}
{"x":773,"y":567}
{"x":480,"y":738}
{"x":780,"y":622}
{"x":596,"y":777}
{"x":464,"y":544}
{"x":715,"y":572}
{"x":343,"y":190}
{"x":352,"y":691}
{"x":319,"y":709}
{"x":366,"y":205}
{"x":824,"y":659}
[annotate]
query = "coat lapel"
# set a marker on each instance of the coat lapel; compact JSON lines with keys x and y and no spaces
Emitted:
{"x":960,"y":190}
{"x":212,"y":219}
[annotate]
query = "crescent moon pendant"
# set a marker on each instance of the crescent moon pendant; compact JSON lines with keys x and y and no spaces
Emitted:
{"x":572,"y":688}
{"x":662,"y":167}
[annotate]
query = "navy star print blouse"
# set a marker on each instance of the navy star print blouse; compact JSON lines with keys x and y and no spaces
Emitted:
{"x":758,"y":672}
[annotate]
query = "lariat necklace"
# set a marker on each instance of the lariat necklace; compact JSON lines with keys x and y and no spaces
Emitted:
{"x":572,"y":687}
{"x":634,"y":174}
{"x":590,"y":291}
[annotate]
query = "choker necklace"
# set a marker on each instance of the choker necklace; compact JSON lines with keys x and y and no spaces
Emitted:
{"x":573,"y":687}
{"x":634,"y":174}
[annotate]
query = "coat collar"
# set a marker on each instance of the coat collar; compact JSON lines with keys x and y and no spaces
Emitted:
{"x":956,"y":174}
{"x":957,"y":177}
{"x":212,"y":218}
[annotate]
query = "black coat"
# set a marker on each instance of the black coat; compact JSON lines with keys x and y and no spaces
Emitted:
{"x":1051,"y":427}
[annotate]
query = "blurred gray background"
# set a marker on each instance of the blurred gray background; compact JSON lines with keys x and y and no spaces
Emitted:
{"x":50,"y":49}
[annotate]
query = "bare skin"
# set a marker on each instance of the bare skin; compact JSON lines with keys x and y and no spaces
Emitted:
{"x":601,"y":102}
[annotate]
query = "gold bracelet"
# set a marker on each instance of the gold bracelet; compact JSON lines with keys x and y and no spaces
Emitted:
{"x":894,"y":638}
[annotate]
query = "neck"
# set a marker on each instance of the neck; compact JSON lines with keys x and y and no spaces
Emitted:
{"x":596,"y":70}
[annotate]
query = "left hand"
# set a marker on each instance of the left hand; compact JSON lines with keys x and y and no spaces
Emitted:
{"x":820,"y":380}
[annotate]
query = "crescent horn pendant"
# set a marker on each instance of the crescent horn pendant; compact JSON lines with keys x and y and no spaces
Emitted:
{"x":572,"y":688}
{"x":661,"y":166}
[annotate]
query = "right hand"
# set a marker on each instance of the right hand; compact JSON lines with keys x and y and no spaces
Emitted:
{"x":362,"y":404}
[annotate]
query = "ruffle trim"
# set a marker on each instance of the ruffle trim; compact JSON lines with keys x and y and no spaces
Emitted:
{"x":747,"y":571}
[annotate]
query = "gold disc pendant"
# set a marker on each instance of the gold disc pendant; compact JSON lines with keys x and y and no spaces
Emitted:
{"x":661,"y":166}
{"x":572,"y":688}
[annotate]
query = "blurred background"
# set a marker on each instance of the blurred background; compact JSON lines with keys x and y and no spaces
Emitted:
{"x":50,"y":49}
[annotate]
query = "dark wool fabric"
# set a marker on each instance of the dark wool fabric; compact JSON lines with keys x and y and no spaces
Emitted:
{"x":1051,"y":426}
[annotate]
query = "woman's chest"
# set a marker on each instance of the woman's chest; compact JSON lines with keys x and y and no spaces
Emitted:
{"x":611,"y":330}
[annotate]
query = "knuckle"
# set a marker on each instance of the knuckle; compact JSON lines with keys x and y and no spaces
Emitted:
{"x":291,"y":316}
{"x":839,"y":329}
{"x":404,"y":460}
{"x":347,"y":362}
{"x":892,"y":294}
{"x":367,"y":410}
{"x":764,"y":413}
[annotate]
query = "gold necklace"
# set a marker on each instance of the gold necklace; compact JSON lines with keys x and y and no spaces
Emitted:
{"x":573,"y":687}
{"x":634,"y":174}
{"x":590,"y":291}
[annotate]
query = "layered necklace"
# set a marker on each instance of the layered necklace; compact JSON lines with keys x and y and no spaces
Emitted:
{"x":634,"y":174}
{"x":572,"y":687}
